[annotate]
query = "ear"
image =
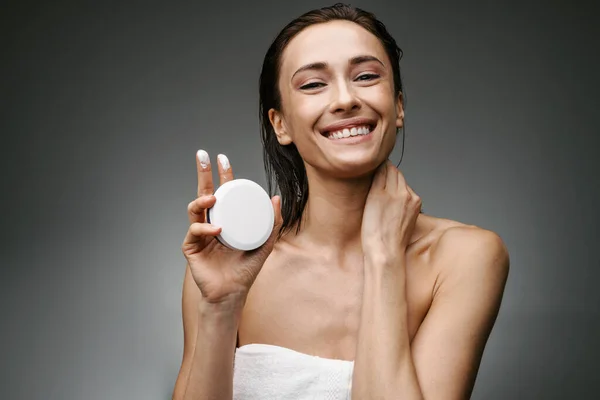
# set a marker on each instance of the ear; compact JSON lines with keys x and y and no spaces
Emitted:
{"x":278,"y":124}
{"x":400,"y":111}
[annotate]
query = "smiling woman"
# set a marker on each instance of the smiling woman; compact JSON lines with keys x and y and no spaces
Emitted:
{"x":356,"y":293}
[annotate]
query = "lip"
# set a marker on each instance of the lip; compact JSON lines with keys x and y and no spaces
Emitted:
{"x":349,"y":123}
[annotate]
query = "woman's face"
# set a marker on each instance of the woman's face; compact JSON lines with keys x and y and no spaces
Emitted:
{"x":337,"y":99}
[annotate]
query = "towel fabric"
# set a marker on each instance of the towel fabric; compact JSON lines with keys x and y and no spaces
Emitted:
{"x":271,"y":372}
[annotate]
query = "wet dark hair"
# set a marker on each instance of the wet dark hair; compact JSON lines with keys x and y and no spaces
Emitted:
{"x":283,"y":164}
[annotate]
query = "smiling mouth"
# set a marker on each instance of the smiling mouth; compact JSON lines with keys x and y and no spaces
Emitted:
{"x":359,"y":130}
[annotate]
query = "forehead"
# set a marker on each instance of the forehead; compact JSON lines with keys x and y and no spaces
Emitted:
{"x":333,"y":42}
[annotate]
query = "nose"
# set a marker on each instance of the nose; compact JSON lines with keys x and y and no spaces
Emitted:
{"x":344,"y":98}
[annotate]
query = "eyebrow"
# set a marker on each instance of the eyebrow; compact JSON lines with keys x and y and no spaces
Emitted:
{"x":318,"y":66}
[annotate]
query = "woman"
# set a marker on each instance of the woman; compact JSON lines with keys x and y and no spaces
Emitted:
{"x":356,"y":293}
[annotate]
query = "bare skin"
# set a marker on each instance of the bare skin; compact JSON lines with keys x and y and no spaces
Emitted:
{"x":411,"y":298}
{"x":309,"y":299}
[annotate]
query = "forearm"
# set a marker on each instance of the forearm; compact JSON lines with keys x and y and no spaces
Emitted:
{"x":383,"y":367}
{"x":211,"y":374}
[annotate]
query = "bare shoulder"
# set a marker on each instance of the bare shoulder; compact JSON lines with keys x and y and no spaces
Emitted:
{"x":467,"y":251}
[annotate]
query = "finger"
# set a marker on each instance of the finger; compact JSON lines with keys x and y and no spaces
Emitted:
{"x":391,"y":181}
{"x":380,"y":177}
{"x":276,"y":202}
{"x":400,"y":180}
{"x":415,"y":197}
{"x":197,"y":208}
{"x":205,"y":183}
{"x":199,"y":232}
{"x":225,"y":171}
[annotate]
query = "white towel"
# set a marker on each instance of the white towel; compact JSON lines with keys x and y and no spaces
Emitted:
{"x":264,"y":372}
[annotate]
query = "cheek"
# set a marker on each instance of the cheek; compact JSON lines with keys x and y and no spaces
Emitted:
{"x":311,"y":105}
{"x":305,"y":113}
{"x":386,"y":100}
{"x":380,"y":98}
{"x":305,"y":110}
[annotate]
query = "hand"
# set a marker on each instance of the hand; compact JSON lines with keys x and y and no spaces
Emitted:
{"x":390,"y":215}
{"x":220,"y":272}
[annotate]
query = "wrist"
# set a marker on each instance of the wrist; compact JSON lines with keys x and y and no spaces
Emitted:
{"x":227,"y":308}
{"x":382,"y":259}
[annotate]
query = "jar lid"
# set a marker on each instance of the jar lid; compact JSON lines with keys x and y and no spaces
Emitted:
{"x":244,"y":213}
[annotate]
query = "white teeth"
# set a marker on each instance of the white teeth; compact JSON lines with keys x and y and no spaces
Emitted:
{"x":344,"y":133}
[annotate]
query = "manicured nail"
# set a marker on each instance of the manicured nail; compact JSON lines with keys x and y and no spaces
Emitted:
{"x":203,"y":158}
{"x":224,"y":161}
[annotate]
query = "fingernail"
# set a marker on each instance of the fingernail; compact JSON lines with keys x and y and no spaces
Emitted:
{"x":224,"y":161}
{"x":203,"y":158}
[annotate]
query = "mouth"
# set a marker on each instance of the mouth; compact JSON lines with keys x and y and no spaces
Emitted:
{"x":349,"y":128}
{"x":360,"y":130}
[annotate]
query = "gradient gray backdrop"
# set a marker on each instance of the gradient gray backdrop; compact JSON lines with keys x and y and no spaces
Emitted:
{"x":104,"y":106}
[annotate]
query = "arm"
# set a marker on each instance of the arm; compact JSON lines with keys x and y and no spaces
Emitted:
{"x":383,"y":365}
{"x":210,"y":332}
{"x":216,"y":283}
{"x":444,"y":357}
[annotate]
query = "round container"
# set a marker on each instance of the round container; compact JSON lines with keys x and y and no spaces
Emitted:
{"x":244,"y":212}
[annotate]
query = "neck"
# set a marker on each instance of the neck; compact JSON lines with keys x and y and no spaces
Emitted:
{"x":334,"y":210}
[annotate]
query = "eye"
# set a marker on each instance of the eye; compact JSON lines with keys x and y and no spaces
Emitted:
{"x":312,"y":85}
{"x":367,"y":77}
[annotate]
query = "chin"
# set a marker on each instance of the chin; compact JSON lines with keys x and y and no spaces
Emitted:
{"x":353,"y":168}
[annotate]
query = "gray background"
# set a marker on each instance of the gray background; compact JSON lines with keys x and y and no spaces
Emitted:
{"x":103,"y":108}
